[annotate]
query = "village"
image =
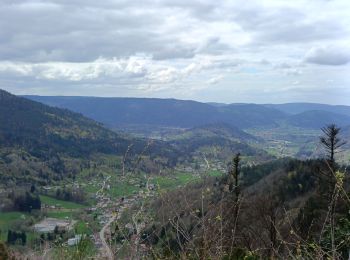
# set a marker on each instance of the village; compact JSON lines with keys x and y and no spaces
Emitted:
{"x":107,"y":210}
{"x":110,"y":195}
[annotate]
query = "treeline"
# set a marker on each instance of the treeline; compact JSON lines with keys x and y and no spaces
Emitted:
{"x":24,"y":201}
{"x":14,"y":237}
{"x":69,"y":194}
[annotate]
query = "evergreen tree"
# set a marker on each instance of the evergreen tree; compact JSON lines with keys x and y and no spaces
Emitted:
{"x":9,"y":236}
{"x":23,"y":238}
{"x":331,"y":143}
{"x":234,"y":185}
{"x":32,"y":188}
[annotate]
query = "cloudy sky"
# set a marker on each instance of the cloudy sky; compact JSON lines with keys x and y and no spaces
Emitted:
{"x":272,"y":51}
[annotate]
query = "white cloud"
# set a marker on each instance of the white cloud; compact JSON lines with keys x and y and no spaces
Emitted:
{"x":71,"y":71}
{"x":216,"y":79}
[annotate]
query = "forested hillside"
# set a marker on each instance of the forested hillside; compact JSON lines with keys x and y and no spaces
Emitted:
{"x":218,"y":141}
{"x":119,"y":113}
{"x":282,"y":209}
{"x":315,"y":119}
{"x":42,"y":144}
{"x":297,"y":108}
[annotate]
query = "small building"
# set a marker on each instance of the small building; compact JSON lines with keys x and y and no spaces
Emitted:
{"x":74,"y":241}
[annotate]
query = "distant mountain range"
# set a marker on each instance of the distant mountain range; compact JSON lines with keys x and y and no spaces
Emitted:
{"x":120,"y":112}
{"x":297,"y":108}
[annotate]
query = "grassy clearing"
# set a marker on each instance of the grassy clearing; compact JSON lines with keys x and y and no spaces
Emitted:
{"x":122,"y":189}
{"x":64,"y":204}
{"x":6,"y":218}
{"x":171,"y":182}
{"x":215,"y":173}
{"x":6,"y":221}
{"x":67,"y":211}
{"x":82,"y":228}
{"x":90,"y":188}
{"x":60,"y":214}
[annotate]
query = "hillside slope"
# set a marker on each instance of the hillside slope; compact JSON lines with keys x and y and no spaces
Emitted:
{"x":41,"y":144}
{"x":42,"y":129}
{"x":220,"y":129}
{"x":218,"y":141}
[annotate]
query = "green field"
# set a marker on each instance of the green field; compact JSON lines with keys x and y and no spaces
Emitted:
{"x":91,"y":188}
{"x":64,"y":204}
{"x":122,"y":189}
{"x":60,"y":214}
{"x":173,"y":181}
{"x":82,"y":228}
{"x":7,"y":219}
{"x":215,"y":173}
{"x":67,"y":208}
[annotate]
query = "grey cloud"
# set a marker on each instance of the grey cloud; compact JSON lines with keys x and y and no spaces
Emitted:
{"x":285,"y":25}
{"x":302,"y":32}
{"x":174,"y":53}
{"x":52,"y":32}
{"x":214,"y":46}
{"x":330,"y":55}
{"x":80,"y":30}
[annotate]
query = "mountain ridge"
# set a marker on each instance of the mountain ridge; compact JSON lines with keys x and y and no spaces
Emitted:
{"x":118,"y":112}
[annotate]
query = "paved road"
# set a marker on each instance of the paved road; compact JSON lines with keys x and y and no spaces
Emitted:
{"x":105,"y":247}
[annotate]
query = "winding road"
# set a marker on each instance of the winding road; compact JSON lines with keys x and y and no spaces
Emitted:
{"x":105,"y":247}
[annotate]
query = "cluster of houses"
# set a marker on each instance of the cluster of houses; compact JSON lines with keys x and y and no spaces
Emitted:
{"x":215,"y":165}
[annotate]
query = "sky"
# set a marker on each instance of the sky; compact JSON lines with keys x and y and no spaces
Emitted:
{"x":266,"y":51}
